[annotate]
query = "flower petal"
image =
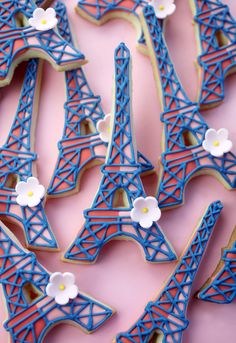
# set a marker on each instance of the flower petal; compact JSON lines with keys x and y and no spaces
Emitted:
{"x":50,"y":25}
{"x":100,"y":125}
{"x":211,"y":135}
{"x":161,"y":14}
{"x":155,"y":214}
{"x":217,"y":151}
{"x":33,"y":201}
{"x":171,"y":9}
{"x":40,"y":191}
{"x":38,"y":13}
{"x":62,"y":298}
{"x":135,"y":215}
{"x":108,"y":119}
{"x":68,"y":279}
{"x":139,"y":203}
{"x":207,"y":146}
{"x":151,"y":202}
{"x":52,"y":290}
{"x":33,"y":22}
{"x":104,"y":136}
{"x":22,"y":200}
{"x":72,"y":291}
{"x":32,"y":181}
{"x":56,"y":278}
{"x":146,"y":222}
{"x":21,"y":187}
{"x":223,"y":134}
{"x":50,"y":13}
{"x":227,"y":146}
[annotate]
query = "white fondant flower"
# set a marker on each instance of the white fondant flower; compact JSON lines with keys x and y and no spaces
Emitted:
{"x":29,"y":193}
{"x":43,"y":20}
{"x":104,"y":127}
{"x":62,"y":287}
{"x":145,"y":211}
{"x":163,"y":8}
{"x":217,"y":142}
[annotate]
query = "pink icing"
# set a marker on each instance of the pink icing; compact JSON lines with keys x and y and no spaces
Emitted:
{"x":121,"y":278}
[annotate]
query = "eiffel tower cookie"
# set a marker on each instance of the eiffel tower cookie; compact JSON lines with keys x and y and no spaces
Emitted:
{"x":28,"y":32}
{"x":190,"y":147}
{"x":216,"y":38}
{"x":21,"y":195}
{"x":164,"y":318}
{"x":221,"y":286}
{"x":36,"y":300}
{"x":120,"y":208}
{"x":80,"y":146}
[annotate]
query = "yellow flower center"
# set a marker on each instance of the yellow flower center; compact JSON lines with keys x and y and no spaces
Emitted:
{"x":43,"y":21}
{"x":145,"y":210}
{"x":108,"y":129}
{"x":30,"y":193}
{"x":161,"y":7}
{"x":62,"y":287}
{"x":216,"y":143}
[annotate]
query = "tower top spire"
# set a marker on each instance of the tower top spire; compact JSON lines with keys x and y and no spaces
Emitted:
{"x":122,"y":149}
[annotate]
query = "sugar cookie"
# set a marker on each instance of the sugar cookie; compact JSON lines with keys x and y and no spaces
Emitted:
{"x":165,"y":317}
{"x":187,"y":138}
{"x":216,"y":39}
{"x":221,"y":286}
{"x":100,"y":11}
{"x":121,"y":209}
{"x":37,"y":301}
{"x":21,"y":40}
{"x":17,"y":168}
{"x":80,"y":146}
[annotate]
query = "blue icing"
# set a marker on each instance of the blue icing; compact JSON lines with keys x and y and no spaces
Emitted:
{"x":121,"y":172}
{"x":166,"y":315}
{"x":81,"y":105}
{"x":181,"y":159}
{"x":31,"y":313}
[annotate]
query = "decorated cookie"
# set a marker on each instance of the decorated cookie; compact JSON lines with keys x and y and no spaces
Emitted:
{"x":190,"y":148}
{"x":100,"y":11}
{"x":36,"y":300}
{"x":85,"y":135}
{"x":26,"y":32}
{"x":216,"y":38}
{"x":21,"y":195}
{"x":120,"y":208}
{"x":221,"y":286}
{"x":164,"y":319}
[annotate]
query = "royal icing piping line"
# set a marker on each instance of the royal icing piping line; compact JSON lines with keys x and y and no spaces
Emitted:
{"x":216,"y":30}
{"x":78,"y":149}
{"x":16,"y":164}
{"x":108,"y":218}
{"x":221,"y":286}
{"x":19,"y":42}
{"x":217,"y":57}
{"x":181,"y":159}
{"x":31,"y":313}
{"x":166,"y":315}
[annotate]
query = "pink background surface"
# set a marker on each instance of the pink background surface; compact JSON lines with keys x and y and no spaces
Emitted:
{"x":121,"y":278}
